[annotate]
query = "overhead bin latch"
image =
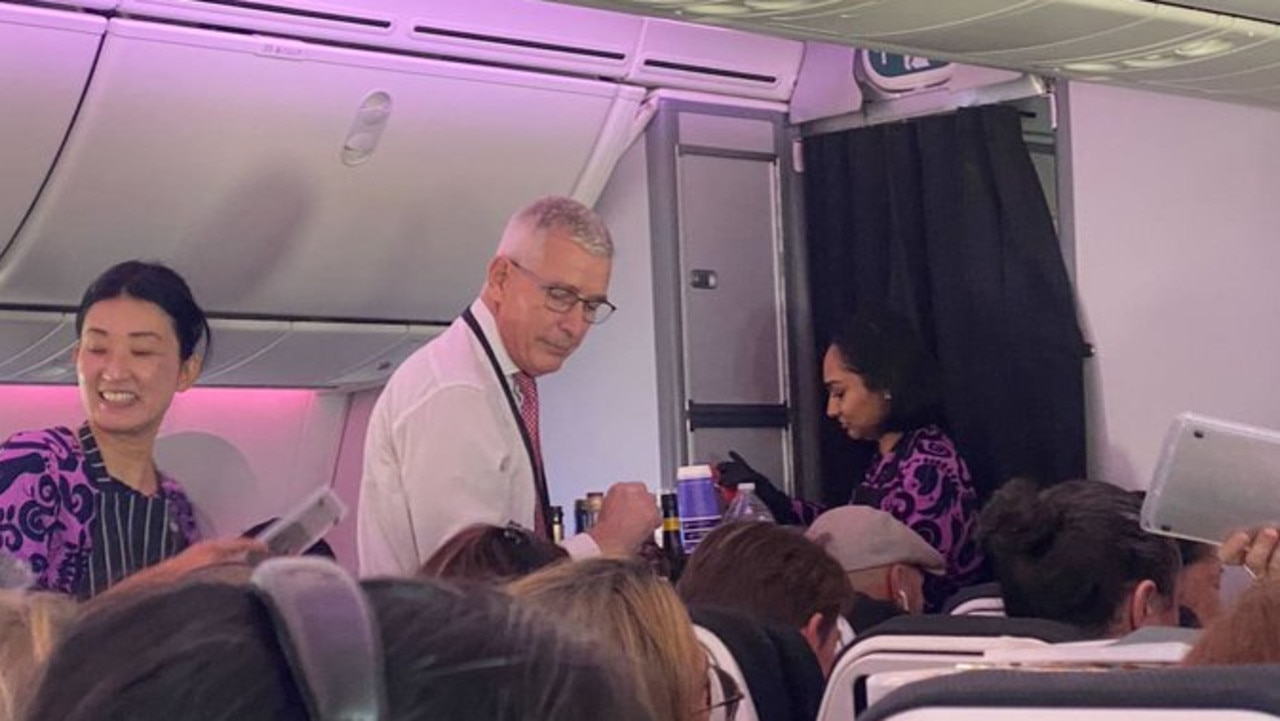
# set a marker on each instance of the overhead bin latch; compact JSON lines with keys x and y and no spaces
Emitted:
{"x":366,"y":129}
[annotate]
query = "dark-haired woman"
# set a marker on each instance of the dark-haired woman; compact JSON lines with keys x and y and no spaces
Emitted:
{"x":883,"y":387}
{"x":85,"y":508}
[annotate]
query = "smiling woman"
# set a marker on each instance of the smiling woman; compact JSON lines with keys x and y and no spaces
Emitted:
{"x":86,"y":508}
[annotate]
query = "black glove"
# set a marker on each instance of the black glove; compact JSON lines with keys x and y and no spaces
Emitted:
{"x":736,"y":470}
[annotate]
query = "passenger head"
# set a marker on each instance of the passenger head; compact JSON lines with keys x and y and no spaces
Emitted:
{"x":638,"y":617}
{"x":209,"y":651}
{"x":883,"y":558}
{"x":30,"y":626}
{"x":1248,"y":633}
{"x":1074,"y":553}
{"x":880,"y":378}
{"x":774,"y":574}
{"x":139,"y":330}
{"x":549,"y":282}
{"x":494,"y":554}
{"x":1199,"y":583}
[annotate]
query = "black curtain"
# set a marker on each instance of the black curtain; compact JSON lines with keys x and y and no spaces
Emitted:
{"x":943,"y":220}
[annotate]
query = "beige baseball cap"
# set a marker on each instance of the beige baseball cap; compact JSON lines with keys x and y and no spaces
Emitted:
{"x":861,"y":537}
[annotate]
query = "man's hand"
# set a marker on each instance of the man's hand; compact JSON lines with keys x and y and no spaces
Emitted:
{"x":1258,"y":550}
{"x":628,"y":517}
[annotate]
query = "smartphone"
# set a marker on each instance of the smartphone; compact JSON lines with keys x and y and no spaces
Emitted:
{"x":307,"y":523}
{"x":1213,"y":477}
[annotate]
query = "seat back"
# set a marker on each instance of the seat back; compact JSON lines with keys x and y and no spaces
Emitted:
{"x":981,"y":599}
{"x":781,"y":674}
{"x":1235,"y":693}
{"x":909,"y":643}
{"x":719,"y":655}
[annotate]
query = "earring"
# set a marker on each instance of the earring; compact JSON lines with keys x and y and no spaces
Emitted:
{"x":903,"y":601}
{"x":888,"y":396}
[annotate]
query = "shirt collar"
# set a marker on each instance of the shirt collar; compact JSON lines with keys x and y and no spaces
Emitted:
{"x":490,"y":328}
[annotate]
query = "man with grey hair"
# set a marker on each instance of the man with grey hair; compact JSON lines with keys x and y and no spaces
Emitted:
{"x":453,"y":439}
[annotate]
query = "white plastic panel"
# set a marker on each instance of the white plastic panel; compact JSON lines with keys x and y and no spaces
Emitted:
{"x":28,"y":337}
{"x":523,"y":33}
{"x":733,"y":335}
{"x":312,"y":354}
{"x":1224,"y":49}
{"x":45,"y":60}
{"x":84,"y":4}
{"x":242,"y":186}
{"x":1260,"y":9}
{"x":236,"y":342}
{"x":717,"y":60}
{"x":378,"y":369}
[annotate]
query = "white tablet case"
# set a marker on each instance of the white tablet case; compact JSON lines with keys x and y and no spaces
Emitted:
{"x":1214,"y":477}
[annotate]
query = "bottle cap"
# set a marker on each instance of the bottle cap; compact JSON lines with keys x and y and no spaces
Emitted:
{"x":693,"y":473}
{"x":746,"y":488}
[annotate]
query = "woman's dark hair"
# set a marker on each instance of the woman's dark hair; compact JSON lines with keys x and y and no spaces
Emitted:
{"x":886,"y":353}
{"x":158,"y":284}
{"x":1073,"y":552}
{"x":494,"y":554}
{"x":209,"y":652}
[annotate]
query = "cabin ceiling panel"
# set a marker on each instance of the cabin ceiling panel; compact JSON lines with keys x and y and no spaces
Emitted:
{"x":1268,"y":10}
{"x":1212,"y":48}
{"x":313,"y":354}
{"x":28,"y":338}
{"x":290,"y":179}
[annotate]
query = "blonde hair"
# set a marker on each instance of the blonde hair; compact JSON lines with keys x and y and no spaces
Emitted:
{"x":31,"y":624}
{"x":625,"y":604}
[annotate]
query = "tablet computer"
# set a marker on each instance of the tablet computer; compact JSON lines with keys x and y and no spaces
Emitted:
{"x":1213,"y":477}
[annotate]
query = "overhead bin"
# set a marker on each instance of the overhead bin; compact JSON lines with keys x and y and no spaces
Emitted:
{"x":99,"y":5}
{"x":522,"y":33}
{"x":45,"y":60}
{"x":289,"y":179}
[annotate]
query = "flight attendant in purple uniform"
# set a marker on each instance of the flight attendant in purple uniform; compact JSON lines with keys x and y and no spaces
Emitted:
{"x":85,"y":508}
{"x":883,"y":387}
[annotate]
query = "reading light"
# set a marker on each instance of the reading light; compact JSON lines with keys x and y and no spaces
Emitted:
{"x":1204,"y":48}
{"x":1154,"y":61}
{"x":718,"y":9}
{"x":1090,"y":67}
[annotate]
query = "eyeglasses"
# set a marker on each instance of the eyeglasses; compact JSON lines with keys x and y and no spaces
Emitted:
{"x":725,"y":694}
{"x":562,"y":300}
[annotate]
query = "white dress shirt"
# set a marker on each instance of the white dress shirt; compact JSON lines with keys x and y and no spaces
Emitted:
{"x":444,"y":451}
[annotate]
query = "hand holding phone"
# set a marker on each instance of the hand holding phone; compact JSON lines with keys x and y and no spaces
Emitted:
{"x":306,"y":524}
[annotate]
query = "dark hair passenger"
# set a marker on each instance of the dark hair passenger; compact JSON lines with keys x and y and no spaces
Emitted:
{"x":213,"y":652}
{"x":1074,"y":553}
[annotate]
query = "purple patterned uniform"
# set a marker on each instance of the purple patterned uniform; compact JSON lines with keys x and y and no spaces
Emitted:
{"x":79,"y":530}
{"x":924,"y":483}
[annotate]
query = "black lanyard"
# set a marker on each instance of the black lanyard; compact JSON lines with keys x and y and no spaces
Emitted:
{"x":539,"y":476}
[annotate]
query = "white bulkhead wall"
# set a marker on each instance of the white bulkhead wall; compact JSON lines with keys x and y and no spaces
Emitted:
{"x":1175,"y":227}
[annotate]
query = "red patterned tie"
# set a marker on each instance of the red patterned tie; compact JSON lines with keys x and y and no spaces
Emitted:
{"x":528,"y":389}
